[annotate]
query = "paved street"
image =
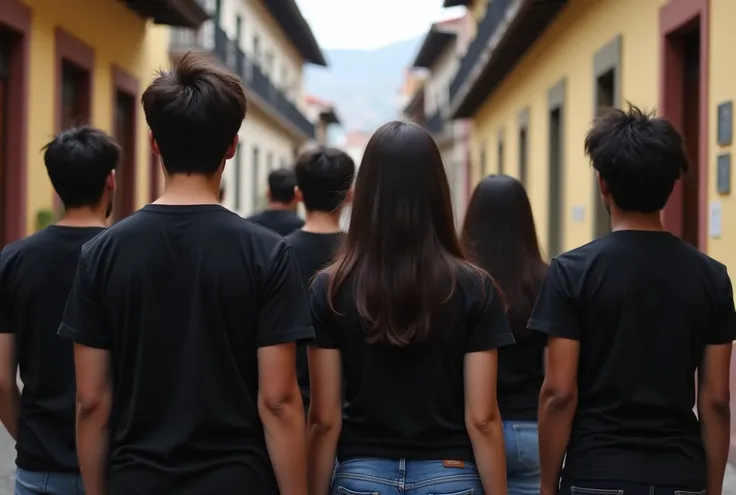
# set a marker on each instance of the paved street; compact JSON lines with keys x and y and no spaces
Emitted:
{"x":7,"y":463}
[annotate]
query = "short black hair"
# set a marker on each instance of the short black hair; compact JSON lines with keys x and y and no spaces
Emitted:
{"x":194,"y":111}
{"x":324,"y":177}
{"x":281,"y":184}
{"x":79,"y":161}
{"x":639,"y":156}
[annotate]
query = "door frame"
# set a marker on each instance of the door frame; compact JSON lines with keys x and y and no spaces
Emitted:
{"x":124,"y":82}
{"x":16,"y":18}
{"x":674,"y":17}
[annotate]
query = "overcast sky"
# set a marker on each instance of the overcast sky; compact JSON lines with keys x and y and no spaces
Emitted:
{"x":370,"y":24}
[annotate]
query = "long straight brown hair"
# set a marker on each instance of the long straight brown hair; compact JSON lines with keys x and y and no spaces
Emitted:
{"x":499,"y":235}
{"x":401,"y":252}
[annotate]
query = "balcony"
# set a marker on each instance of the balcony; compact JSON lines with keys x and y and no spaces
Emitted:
{"x":435,"y":124}
{"x":506,"y":32}
{"x":177,"y":13}
{"x":259,"y":87}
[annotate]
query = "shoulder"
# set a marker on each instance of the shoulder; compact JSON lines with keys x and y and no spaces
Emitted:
{"x":13,"y":252}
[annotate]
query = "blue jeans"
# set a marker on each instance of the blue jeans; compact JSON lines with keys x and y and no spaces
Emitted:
{"x":35,"y":482}
{"x":522,"y":457}
{"x":572,"y":487}
{"x":401,"y":477}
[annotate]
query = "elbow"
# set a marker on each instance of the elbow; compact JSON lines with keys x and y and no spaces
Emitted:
{"x":483,"y":422}
{"x":282,"y":404}
{"x":558,"y":398}
{"x":717,"y":406}
{"x":93,"y":405}
{"x":324,"y":423}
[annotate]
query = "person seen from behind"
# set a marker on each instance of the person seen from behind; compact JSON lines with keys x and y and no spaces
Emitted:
{"x":500,"y":235}
{"x":324,"y":179}
{"x":633,"y":318}
{"x":280,"y":214}
{"x":185,"y":318}
{"x":36,"y":275}
{"x":411,"y":328}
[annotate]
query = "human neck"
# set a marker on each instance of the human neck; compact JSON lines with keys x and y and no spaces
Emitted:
{"x":85,"y":216}
{"x":194,"y":189}
{"x":322,"y":222}
{"x":636,"y":221}
{"x":273,"y":205}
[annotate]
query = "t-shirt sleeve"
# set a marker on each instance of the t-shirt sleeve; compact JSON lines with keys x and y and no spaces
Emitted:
{"x":722,"y":328}
{"x":488,"y":327}
{"x":6,"y":321}
{"x":284,"y":315}
{"x":323,"y":319}
{"x":84,"y":319}
{"x":555,"y":313}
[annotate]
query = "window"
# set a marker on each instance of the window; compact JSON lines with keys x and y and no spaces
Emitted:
{"x":268,"y":64}
{"x":483,"y":158}
{"x":500,"y":153}
{"x":256,"y":50}
{"x":523,"y":154}
{"x":238,"y":173}
{"x":254,"y":180}
{"x":218,"y":11}
{"x":124,"y":133}
{"x":238,"y":29}
{"x":74,"y":104}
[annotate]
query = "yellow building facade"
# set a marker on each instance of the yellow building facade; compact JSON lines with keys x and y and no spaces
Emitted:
{"x":531,"y":109}
{"x":70,"y":63}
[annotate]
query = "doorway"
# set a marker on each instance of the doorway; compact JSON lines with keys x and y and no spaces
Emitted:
{"x":125,"y":173}
{"x":605,"y":91}
{"x":691,"y":132}
{"x":684,"y":95}
{"x":554,"y":209}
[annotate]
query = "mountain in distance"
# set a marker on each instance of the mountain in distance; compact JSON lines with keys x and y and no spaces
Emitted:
{"x":363,"y":85}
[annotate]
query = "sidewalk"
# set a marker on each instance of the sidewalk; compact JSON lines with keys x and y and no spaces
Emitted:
{"x":729,"y":482}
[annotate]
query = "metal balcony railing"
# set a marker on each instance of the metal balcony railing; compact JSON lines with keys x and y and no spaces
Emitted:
{"x":495,"y":14}
{"x":435,"y":124}
{"x":230,"y":54}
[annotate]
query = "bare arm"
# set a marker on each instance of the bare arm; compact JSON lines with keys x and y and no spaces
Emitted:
{"x":282,"y":413}
{"x":714,"y":412}
{"x":325,"y":416}
{"x":94,"y":404}
{"x":557,"y":404}
{"x":483,"y":420}
{"x":9,"y":392}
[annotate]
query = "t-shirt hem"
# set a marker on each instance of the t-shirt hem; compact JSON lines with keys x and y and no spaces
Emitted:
{"x":409,"y":453}
{"x":668,"y":477}
{"x":494,"y":343}
{"x":29,"y":464}
{"x":551,"y":329}
{"x":300,"y":335}
{"x":72,"y":333}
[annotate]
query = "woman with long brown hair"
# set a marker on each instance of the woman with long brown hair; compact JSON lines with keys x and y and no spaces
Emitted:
{"x":500,"y":236}
{"x":410,"y":329}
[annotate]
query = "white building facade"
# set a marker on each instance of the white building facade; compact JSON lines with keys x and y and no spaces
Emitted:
{"x":267,"y":43}
{"x":440,"y":54}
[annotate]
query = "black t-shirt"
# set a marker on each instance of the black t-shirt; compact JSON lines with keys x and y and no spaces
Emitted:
{"x":183,"y":297}
{"x":520,"y":376}
{"x":313,"y":252}
{"x":282,"y":222}
{"x":409,"y":402}
{"x":643,"y":306}
{"x":36,"y":275}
